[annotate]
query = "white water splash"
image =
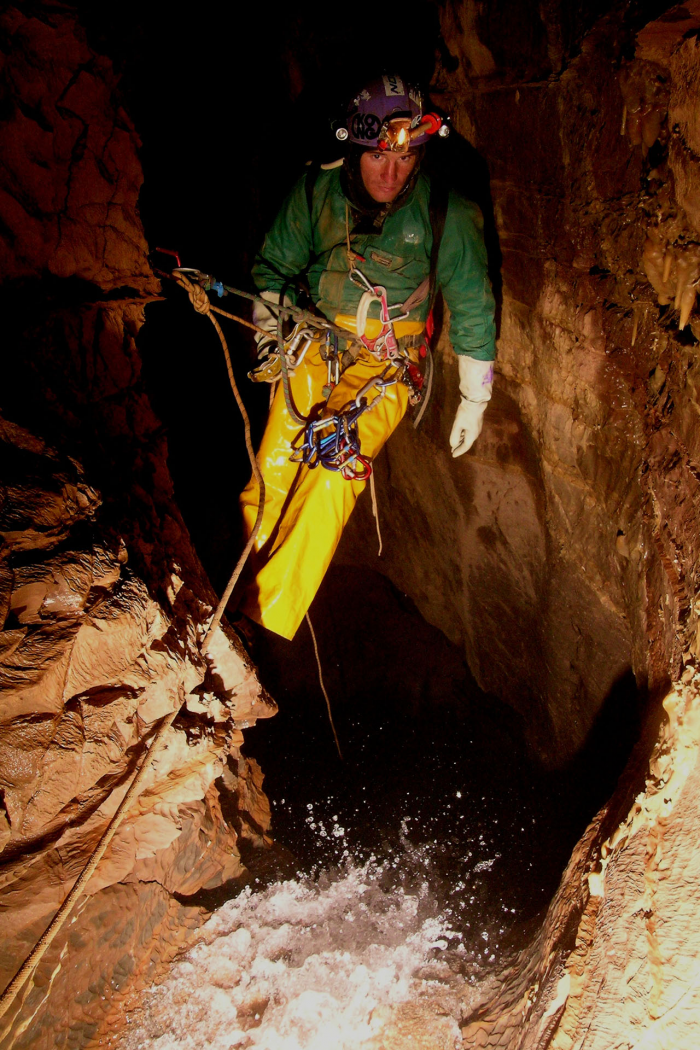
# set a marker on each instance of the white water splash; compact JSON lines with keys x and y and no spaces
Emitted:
{"x":306,"y":965}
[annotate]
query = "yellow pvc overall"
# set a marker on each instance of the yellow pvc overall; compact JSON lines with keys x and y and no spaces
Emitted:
{"x":306,"y":509}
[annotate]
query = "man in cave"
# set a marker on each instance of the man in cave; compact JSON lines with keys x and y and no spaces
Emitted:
{"x":374,"y":241}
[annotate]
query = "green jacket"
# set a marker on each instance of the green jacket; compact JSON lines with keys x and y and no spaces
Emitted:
{"x":397,"y":258}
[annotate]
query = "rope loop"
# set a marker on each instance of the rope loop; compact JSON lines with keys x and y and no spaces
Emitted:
{"x":198,"y":297}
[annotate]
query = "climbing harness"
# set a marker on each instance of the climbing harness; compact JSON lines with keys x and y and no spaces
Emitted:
{"x":295,"y":347}
{"x":330,"y":353}
{"x":385,"y":345}
{"x":338,"y":450}
{"x":330,"y":441}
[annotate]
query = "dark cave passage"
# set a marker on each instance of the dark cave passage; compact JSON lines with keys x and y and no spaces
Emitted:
{"x":415,"y":727}
{"x":513,"y":681}
{"x":435,"y":773}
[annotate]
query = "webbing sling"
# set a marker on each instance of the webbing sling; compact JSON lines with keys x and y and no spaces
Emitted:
{"x":437,"y":210}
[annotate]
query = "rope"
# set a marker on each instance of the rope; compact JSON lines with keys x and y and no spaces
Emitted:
{"x":323,"y":688}
{"x":285,"y":377}
{"x":235,"y":317}
{"x":200,"y":302}
{"x":295,"y":312}
{"x":429,"y":369}
{"x":348,"y":249}
{"x":32,"y":961}
{"x":375,"y":511}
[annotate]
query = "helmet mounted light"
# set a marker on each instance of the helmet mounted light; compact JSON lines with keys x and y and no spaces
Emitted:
{"x":400,"y":134}
{"x":388,"y":115}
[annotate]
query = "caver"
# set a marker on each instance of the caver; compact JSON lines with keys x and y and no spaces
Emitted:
{"x":372,"y":241}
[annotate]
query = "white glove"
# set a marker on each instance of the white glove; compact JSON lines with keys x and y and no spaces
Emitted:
{"x":475,"y":382}
{"x":267,"y":320}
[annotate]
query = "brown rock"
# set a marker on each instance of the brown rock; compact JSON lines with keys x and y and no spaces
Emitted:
{"x":72,"y":209}
{"x":104,"y":603}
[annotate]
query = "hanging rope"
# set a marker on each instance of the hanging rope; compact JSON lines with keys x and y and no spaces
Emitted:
{"x":200,"y":302}
{"x":291,"y":407}
{"x":375,"y":512}
{"x":33,"y":959}
{"x":323,"y":688}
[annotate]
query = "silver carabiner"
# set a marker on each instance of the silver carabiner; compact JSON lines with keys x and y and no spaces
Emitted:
{"x":355,"y":273}
{"x":375,"y":381}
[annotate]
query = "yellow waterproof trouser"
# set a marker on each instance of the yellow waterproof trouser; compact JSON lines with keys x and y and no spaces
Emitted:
{"x":307,"y":509}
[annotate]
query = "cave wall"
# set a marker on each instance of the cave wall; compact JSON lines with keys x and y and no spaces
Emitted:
{"x":568,"y":535}
{"x":573,"y":525}
{"x":560,"y":552}
{"x":103,"y":603}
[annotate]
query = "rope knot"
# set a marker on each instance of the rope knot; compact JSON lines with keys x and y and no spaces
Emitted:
{"x":198,"y":297}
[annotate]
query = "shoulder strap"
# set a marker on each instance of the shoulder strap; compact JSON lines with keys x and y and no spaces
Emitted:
{"x":309,"y":184}
{"x":297,"y":281}
{"x":437,"y":208}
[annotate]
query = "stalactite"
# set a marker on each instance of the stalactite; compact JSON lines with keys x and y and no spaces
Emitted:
{"x":645,"y":93}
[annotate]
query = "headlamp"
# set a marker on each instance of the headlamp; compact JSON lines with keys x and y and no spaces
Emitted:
{"x":398,"y":135}
{"x":395,"y":135}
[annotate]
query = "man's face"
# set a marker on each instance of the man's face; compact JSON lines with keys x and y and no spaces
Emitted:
{"x":385,"y":174}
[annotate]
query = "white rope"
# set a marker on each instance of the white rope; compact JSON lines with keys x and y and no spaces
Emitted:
{"x":34,"y":958}
{"x":323,"y":688}
{"x":201,"y":303}
{"x":375,"y":511}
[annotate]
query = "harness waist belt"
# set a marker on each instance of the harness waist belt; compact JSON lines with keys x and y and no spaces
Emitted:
{"x":374,"y":326}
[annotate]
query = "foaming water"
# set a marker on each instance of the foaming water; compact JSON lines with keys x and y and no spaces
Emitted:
{"x":420,"y":864}
{"x":344,"y":960}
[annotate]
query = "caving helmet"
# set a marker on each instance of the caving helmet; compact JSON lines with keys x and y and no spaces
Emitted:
{"x":388,"y":114}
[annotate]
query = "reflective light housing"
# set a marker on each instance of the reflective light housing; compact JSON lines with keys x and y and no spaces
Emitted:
{"x":395,"y":135}
{"x":398,"y":136}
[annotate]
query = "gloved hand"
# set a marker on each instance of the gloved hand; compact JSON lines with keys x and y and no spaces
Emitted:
{"x":475,"y":382}
{"x":267,"y":320}
{"x":266,"y":345}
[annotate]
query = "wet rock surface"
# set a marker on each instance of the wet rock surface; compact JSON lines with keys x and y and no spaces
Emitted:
{"x":584,"y":481}
{"x":103,"y":603}
{"x":559,"y":557}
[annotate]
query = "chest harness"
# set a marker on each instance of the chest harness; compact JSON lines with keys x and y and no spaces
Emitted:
{"x":332,"y":441}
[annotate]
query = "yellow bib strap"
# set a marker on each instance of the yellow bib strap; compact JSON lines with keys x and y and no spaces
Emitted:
{"x":374,"y":326}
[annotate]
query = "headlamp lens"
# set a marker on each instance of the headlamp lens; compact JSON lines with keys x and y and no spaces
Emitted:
{"x":396,"y":135}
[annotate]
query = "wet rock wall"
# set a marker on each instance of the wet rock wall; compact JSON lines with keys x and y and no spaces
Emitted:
{"x":561,"y":551}
{"x":575,"y":535}
{"x":103,"y":602}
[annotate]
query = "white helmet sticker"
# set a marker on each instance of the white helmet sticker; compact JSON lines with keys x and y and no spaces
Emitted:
{"x":393,"y":86}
